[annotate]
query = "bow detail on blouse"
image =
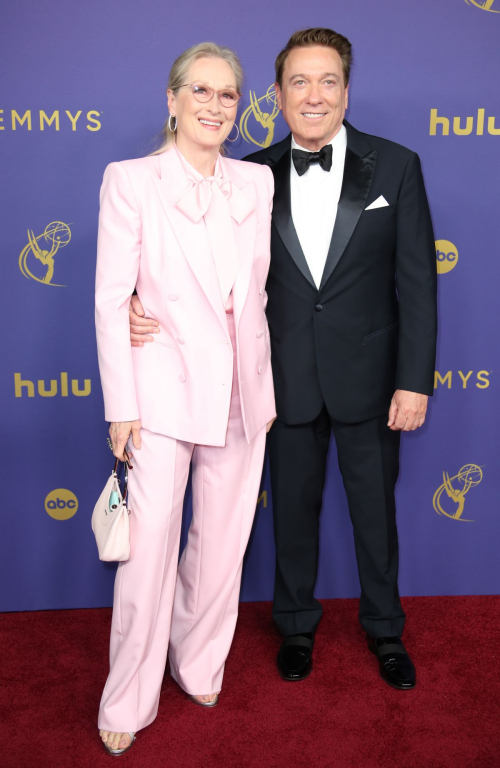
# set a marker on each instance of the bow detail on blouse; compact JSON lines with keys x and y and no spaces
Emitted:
{"x":196,"y":199}
{"x":218,"y":201}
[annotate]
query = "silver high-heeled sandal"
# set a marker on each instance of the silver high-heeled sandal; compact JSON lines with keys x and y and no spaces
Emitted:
{"x":117,"y":752}
{"x":206,"y":704}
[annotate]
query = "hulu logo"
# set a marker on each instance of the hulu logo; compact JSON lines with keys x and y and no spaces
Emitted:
{"x":57,"y":386}
{"x":467,"y":126}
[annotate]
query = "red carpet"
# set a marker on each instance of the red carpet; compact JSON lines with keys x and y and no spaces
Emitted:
{"x":54,"y":665}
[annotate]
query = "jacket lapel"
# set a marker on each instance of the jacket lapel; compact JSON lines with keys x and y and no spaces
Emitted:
{"x":245,"y":235}
{"x":282,"y":214}
{"x":359,"y":167}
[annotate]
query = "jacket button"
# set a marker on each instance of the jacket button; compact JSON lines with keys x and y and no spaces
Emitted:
{"x":173,"y":296}
{"x":179,"y":340}
{"x":260,"y":334}
{"x":261,"y":290}
{"x":260,"y":369}
{"x":318,"y":307}
{"x":182,"y":378}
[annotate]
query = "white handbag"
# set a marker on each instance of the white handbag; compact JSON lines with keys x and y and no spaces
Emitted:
{"x":110,"y":519}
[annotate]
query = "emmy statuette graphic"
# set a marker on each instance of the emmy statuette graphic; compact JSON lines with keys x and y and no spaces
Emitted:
{"x":56,"y":235}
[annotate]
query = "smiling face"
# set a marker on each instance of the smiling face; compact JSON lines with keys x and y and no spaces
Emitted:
{"x":203,"y":125}
{"x":313,"y":97}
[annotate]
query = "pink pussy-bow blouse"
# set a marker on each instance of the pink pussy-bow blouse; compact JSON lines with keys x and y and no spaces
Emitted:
{"x":217,"y":201}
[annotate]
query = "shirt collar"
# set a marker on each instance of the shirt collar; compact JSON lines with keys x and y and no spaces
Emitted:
{"x":338,"y":142}
{"x":191,"y":172}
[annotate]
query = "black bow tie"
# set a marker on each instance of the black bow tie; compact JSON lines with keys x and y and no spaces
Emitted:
{"x":302,"y":160}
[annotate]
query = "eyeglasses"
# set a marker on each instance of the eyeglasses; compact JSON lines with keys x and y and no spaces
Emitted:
{"x":202,"y":93}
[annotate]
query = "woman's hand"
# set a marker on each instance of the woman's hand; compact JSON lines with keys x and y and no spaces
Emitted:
{"x":119,"y":432}
{"x":270,"y":424}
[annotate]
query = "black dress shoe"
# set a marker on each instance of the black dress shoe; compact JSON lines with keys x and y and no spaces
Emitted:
{"x":396,"y":667}
{"x":295,"y":657}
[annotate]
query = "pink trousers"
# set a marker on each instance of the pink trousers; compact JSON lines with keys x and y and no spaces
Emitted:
{"x":188,"y":610}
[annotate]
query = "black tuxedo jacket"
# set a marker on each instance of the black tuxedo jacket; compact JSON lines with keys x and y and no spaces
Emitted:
{"x":371,"y":327}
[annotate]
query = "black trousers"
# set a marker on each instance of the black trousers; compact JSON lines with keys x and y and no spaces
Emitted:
{"x":368,"y":454}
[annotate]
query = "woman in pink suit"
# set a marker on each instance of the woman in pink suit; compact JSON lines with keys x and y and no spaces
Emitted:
{"x":191,"y":229}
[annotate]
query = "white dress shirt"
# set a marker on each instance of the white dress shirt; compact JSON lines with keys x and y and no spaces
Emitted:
{"x":314,"y":201}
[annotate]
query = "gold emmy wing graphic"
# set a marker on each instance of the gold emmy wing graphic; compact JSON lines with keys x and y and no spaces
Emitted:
{"x":456,"y":488}
{"x":257,"y":116}
{"x":485,"y":5}
{"x":55,"y":236}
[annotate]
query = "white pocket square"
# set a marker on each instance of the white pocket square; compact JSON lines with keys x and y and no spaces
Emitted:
{"x":380,"y":202}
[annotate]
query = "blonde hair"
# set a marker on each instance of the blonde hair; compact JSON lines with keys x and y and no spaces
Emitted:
{"x":178,"y":74}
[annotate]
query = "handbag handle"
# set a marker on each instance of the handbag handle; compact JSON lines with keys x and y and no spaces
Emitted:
{"x":127,"y":465}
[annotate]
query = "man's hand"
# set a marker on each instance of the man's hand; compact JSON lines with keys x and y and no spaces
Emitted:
{"x":407,"y":411}
{"x":140,"y":325}
{"x":119,"y":432}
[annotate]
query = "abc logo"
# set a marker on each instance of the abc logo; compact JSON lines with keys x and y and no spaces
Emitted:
{"x":446,"y":256}
{"x":61,"y":504}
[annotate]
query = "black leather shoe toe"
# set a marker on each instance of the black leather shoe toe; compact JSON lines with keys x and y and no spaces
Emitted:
{"x":395,"y":665}
{"x":295,"y":657}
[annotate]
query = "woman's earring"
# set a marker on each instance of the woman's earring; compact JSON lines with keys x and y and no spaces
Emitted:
{"x":170,"y":128}
{"x":237,"y":136}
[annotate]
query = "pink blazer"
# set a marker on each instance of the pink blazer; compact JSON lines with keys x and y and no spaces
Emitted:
{"x":180,"y":384}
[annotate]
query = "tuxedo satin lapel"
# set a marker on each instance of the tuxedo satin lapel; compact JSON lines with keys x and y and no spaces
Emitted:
{"x":192,"y":237}
{"x":358,"y":175}
{"x":245,"y":235}
{"x":282,"y":215}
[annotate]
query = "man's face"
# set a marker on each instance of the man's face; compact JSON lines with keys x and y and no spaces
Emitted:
{"x":313,"y":97}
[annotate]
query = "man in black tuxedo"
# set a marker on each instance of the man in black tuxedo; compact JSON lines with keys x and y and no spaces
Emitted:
{"x":352,"y":316}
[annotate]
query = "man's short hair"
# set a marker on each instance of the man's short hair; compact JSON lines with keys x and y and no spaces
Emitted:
{"x":316,"y":36}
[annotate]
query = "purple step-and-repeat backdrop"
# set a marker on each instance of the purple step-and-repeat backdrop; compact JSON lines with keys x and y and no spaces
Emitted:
{"x":83,"y":85}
